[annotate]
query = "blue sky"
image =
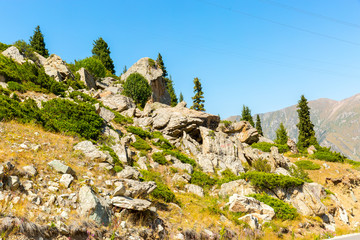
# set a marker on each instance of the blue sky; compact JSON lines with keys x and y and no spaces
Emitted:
{"x":261,"y":53}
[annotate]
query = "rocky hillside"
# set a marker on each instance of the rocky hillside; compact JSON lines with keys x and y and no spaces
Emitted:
{"x":79,"y":160}
{"x":336,"y":123}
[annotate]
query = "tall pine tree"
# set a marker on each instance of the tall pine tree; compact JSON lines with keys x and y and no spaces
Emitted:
{"x":38,"y":44}
{"x":246,"y":115}
{"x":198,"y":98}
{"x":161,"y":64}
{"x":258,"y":125}
{"x":281,"y":135}
{"x":306,"y":128}
{"x":171,"y":91}
{"x":102,"y":51}
{"x":181,"y":97}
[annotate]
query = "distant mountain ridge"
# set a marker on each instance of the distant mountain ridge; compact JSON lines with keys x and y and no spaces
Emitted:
{"x":337,"y":123}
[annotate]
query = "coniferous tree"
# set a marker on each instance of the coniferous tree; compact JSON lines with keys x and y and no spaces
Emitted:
{"x":160,"y":63}
{"x":246,"y":115}
{"x":38,"y":44}
{"x":181,"y":97}
{"x":281,"y":135}
{"x":258,"y":125}
{"x":198,"y":99}
{"x":102,"y":51}
{"x":306,"y":128}
{"x":171,"y":91}
{"x":125,"y":69}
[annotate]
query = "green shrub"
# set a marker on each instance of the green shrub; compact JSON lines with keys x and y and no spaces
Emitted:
{"x":270,"y":180}
{"x":202,"y":179}
{"x":162,"y":191}
{"x":4,"y":91}
{"x":163,"y":143}
{"x":24,"y":112}
{"x":265,"y":147}
{"x":118,"y":168}
{"x":151,"y":62}
{"x":3,"y":46}
{"x":182,"y":157}
{"x":139,"y":131}
{"x":137,"y":88}
{"x":283,"y":210}
{"x":93,"y":65}
{"x":82,"y":97}
{"x":261,"y":165}
{"x":62,"y":115}
{"x":121,"y":119}
{"x":14,"y":86}
{"x":307,"y":165}
{"x":325,"y":154}
{"x":159,"y":158}
{"x":141,"y":144}
{"x":25,"y":73}
{"x":26,"y":50}
{"x":297,"y":172}
{"x":112,"y":153}
{"x":226,"y":123}
{"x":227,"y":176}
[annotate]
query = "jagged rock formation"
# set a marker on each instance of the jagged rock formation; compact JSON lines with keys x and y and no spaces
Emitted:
{"x":14,"y":53}
{"x":153,"y":74}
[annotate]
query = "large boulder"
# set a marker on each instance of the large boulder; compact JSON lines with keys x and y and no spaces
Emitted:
{"x":57,"y":68}
{"x":90,"y":150}
{"x":243,"y":204}
{"x":242,"y":130}
{"x":221,"y":151}
{"x":87,"y":78}
{"x":14,"y":53}
{"x":292,"y":145}
{"x":93,"y":207}
{"x":240,"y":187}
{"x":61,"y":167}
{"x":174,"y":121}
{"x":195,"y":189}
{"x":130,"y":203}
{"x":153,"y":74}
{"x":137,"y":189}
{"x":116,"y":102}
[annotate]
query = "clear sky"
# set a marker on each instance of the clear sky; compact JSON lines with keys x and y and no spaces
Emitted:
{"x":261,"y":53}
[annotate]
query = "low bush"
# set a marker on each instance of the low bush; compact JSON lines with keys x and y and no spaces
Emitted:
{"x":112,"y":153}
{"x":271,"y":180}
{"x":283,"y":210}
{"x":137,"y":88}
{"x":151,"y":62}
{"x":227,"y":176}
{"x":162,"y":142}
{"x":226,"y":123}
{"x":121,"y":119}
{"x":3,"y":46}
{"x":24,"y":112}
{"x":182,"y":157}
{"x":265,"y":147}
{"x":261,"y":165}
{"x":307,"y":165}
{"x":162,"y":191}
{"x":202,"y":179}
{"x":82,"y":97}
{"x":139,"y":131}
{"x":297,"y":172}
{"x":159,"y":158}
{"x":62,"y":115}
{"x":141,"y":144}
{"x":93,"y":65}
{"x":325,"y":154}
{"x":14,"y":86}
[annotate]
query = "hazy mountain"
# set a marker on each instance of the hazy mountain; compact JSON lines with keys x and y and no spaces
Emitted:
{"x":336,"y":123}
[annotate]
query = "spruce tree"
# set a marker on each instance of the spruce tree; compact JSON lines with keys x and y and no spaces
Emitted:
{"x":171,"y":91}
{"x":181,"y":97}
{"x":160,"y":63}
{"x":198,"y":99}
{"x":246,"y":115}
{"x":281,"y":135}
{"x":102,"y":51}
{"x":306,"y":128}
{"x":258,"y":125}
{"x":38,"y":44}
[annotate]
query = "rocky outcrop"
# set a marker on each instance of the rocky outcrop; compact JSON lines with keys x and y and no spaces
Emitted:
{"x":194,"y":189}
{"x":93,"y":207}
{"x":116,"y":102}
{"x":153,"y":74}
{"x":14,"y":53}
{"x":57,"y":68}
{"x":131,"y":203}
{"x":292,"y":146}
{"x":239,"y":187}
{"x":90,"y":151}
{"x":242,"y":130}
{"x":87,"y":78}
{"x":174,"y":121}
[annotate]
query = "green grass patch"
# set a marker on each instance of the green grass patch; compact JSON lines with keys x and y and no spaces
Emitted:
{"x":266,"y":147}
{"x":162,"y":191}
{"x":202,"y":179}
{"x":121,"y":119}
{"x":182,"y":157}
{"x":139,"y":131}
{"x":283,"y":210}
{"x":326,"y":155}
{"x":141,"y":144}
{"x":162,"y":142}
{"x":159,"y":158}
{"x":307,"y":165}
{"x":270,"y":180}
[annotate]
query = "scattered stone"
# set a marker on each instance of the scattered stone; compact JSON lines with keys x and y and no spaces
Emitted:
{"x":106,"y":114}
{"x":311,"y":150}
{"x":137,"y":189}
{"x":240,"y":187}
{"x":195,"y":189}
{"x":90,"y":150}
{"x":13,"y":182}
{"x":66,"y":180}
{"x":130,"y":203}
{"x":30,"y":171}
{"x":120,"y":190}
{"x":129,"y":173}
{"x":59,"y":166}
{"x":252,"y":220}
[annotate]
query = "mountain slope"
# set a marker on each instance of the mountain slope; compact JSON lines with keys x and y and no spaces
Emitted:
{"x":336,"y":123}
